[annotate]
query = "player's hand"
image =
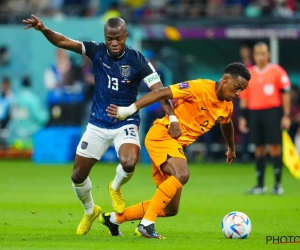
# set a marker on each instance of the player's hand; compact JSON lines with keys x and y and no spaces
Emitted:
{"x":285,"y":122}
{"x":230,"y":154}
{"x":112,"y":111}
{"x":35,"y":23}
{"x":120,"y":113}
{"x":174,"y":130}
{"x":243,"y":125}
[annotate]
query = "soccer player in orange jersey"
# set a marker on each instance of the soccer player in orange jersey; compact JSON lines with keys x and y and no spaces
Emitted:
{"x":201,"y":105}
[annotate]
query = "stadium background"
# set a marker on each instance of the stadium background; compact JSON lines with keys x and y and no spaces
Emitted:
{"x":184,"y":39}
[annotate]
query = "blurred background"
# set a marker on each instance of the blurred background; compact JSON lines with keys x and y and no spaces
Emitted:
{"x":46,"y":92}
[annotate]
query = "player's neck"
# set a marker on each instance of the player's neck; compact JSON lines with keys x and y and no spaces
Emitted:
{"x":219,"y":92}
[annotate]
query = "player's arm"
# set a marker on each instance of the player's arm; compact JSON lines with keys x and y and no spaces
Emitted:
{"x":53,"y":37}
{"x":284,"y":85}
{"x":152,"y":79}
{"x":123,"y":112}
{"x":183,"y":90}
{"x":243,"y":113}
{"x":228,"y":134}
{"x":166,"y":104}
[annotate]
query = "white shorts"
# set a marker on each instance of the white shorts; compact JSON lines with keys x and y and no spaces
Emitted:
{"x":95,"y":141}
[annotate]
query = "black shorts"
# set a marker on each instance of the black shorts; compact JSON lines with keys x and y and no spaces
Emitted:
{"x":265,"y":127}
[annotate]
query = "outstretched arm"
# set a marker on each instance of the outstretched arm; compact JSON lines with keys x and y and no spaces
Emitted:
{"x":122,"y":113}
{"x":166,"y":104}
{"x":228,"y":133}
{"x":174,"y":129}
{"x":53,"y":37}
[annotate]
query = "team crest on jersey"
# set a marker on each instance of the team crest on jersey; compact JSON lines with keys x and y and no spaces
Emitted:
{"x":125,"y":70}
{"x":84,"y":145}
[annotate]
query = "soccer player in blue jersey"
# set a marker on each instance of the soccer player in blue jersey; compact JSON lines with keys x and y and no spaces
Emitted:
{"x":118,"y":71}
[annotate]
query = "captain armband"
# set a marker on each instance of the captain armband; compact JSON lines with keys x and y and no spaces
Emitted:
{"x":152,"y":79}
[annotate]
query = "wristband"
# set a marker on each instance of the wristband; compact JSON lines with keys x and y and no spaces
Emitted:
{"x":124,"y":112}
{"x":173,"y":118}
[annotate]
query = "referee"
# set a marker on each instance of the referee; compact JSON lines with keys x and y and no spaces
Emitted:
{"x":267,"y":103}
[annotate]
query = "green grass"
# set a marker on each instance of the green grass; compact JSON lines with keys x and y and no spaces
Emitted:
{"x":39,"y":209}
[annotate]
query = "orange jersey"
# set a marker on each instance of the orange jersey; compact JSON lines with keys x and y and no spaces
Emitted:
{"x":263,"y":91}
{"x":198,"y":109}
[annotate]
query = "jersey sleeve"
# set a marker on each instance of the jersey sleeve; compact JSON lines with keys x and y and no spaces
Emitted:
{"x":90,"y":49}
{"x":147,"y":71}
{"x":184,"y":90}
{"x":283,"y":81}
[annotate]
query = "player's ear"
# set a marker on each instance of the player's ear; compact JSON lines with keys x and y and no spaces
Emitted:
{"x":225,"y":78}
{"x":126,"y":37}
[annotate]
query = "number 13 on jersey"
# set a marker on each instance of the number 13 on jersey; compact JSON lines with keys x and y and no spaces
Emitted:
{"x":113,"y":83}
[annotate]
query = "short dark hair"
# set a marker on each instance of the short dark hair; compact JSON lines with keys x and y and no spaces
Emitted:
{"x":114,"y":22}
{"x":237,"y":69}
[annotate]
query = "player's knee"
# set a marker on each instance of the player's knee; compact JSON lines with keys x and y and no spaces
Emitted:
{"x":183,"y":176}
{"x":128,"y":163}
{"x":275,"y":150}
{"x":260,"y":151}
{"x":78,"y":177}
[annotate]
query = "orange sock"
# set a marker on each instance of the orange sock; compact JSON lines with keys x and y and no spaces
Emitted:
{"x":162,"y":197}
{"x":135,"y":212}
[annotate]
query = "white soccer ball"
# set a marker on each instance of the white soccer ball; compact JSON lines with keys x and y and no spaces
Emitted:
{"x":236,"y":225}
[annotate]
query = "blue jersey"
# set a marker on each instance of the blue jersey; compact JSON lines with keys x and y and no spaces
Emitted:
{"x":117,"y":81}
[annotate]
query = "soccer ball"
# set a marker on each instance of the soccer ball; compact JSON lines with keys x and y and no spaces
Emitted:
{"x":236,"y":225}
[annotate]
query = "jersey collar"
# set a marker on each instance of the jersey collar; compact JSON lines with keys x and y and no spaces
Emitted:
{"x":118,"y":56}
{"x":262,"y":71}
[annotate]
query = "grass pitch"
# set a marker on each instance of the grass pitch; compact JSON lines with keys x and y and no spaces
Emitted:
{"x":39,"y":210}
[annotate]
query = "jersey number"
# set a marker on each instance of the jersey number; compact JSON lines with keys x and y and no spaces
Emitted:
{"x":204,"y":124}
{"x":113,"y":83}
{"x":130,"y":131}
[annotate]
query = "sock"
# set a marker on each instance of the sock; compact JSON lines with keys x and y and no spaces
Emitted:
{"x":135,"y":212}
{"x":162,"y":197}
{"x":121,"y":178}
{"x":260,"y":170}
{"x":146,"y":222}
{"x":83,"y":192}
{"x":277,"y":164}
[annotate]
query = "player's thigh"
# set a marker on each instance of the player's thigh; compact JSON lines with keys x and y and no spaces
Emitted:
{"x":127,"y":144}
{"x":273,"y":126}
{"x":177,"y":167}
{"x":257,"y":134}
{"x":94,"y":142}
{"x":161,"y":147}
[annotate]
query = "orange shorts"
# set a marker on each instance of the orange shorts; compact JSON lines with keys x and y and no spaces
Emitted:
{"x":160,"y":145}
